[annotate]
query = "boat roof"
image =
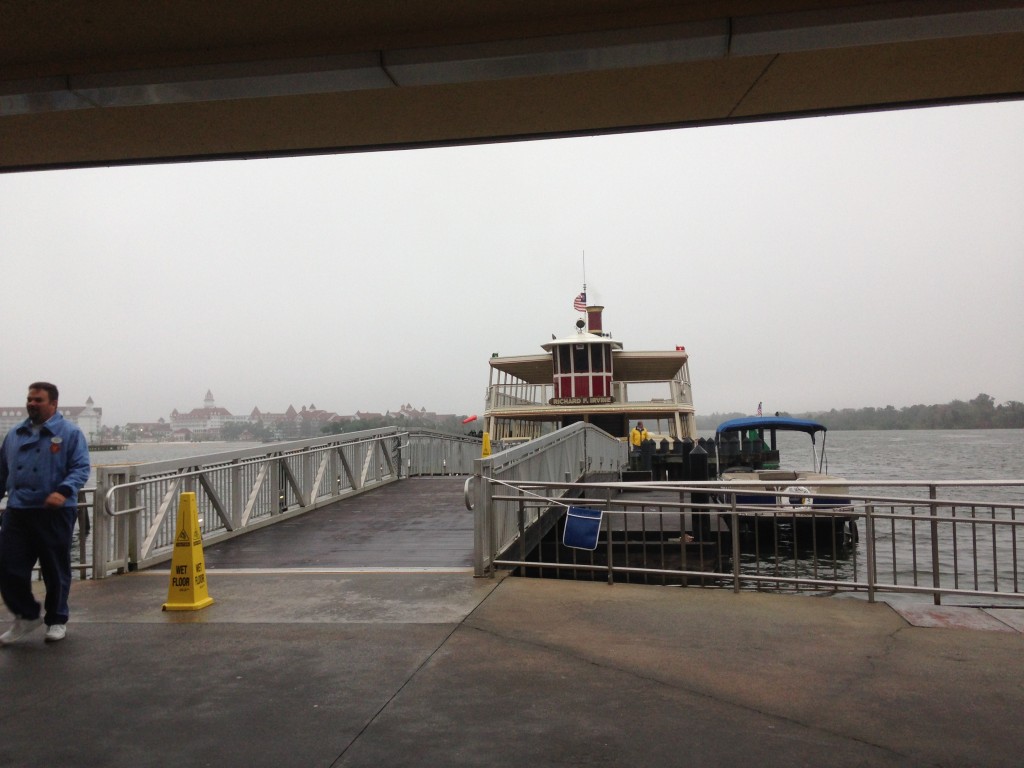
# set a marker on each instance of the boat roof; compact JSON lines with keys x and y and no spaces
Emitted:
{"x":627,"y":366}
{"x":771,"y":422}
{"x":581,"y":338}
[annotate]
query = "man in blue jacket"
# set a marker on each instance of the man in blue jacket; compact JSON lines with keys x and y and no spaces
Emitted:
{"x":44,"y":462}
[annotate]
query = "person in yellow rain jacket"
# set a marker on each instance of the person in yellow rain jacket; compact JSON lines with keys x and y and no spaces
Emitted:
{"x":638,"y":435}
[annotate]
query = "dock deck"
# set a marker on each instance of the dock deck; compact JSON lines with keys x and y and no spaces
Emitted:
{"x":310,"y":658}
{"x":417,"y":523}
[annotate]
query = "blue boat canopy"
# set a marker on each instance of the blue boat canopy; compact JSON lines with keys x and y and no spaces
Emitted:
{"x":771,"y":422}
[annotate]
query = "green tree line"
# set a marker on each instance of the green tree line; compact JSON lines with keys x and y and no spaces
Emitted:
{"x":980,"y":413}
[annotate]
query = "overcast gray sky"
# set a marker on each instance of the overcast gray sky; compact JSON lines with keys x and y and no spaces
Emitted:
{"x":862,"y":260}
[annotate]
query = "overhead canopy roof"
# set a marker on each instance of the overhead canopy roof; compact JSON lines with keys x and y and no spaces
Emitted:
{"x":647,"y":366}
{"x":771,"y":422}
{"x":627,"y":366}
{"x":533,"y":369}
{"x":98,"y":83}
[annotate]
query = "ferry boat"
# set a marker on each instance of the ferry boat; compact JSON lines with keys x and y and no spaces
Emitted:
{"x":588,"y":376}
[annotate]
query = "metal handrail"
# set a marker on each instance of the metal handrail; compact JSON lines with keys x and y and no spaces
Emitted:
{"x":898,"y":548}
{"x":216,"y":468}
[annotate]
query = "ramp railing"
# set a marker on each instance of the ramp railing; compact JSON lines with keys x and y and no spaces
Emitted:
{"x":240,"y":491}
{"x":436,"y":453}
{"x":573,"y":453}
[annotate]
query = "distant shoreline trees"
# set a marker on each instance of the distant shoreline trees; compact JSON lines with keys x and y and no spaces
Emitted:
{"x":980,"y":413}
{"x":451,"y":425}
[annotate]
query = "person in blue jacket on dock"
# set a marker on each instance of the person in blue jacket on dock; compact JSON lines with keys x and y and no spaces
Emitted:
{"x":44,"y":462}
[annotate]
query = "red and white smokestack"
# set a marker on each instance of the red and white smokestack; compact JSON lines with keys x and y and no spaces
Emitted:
{"x":594,"y":320}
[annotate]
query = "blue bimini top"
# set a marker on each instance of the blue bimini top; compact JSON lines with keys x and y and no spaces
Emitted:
{"x":783,"y":423}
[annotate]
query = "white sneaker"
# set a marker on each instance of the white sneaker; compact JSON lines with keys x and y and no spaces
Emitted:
{"x":19,"y":629}
{"x":56,"y":632}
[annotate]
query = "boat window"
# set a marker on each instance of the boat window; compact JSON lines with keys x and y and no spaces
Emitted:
{"x":580,"y":358}
{"x":563,"y":360}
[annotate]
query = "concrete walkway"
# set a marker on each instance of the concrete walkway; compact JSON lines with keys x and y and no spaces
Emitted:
{"x":415,"y":668}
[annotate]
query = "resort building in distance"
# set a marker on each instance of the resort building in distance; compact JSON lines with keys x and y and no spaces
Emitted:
{"x":212,"y":422}
{"x":88,"y":417}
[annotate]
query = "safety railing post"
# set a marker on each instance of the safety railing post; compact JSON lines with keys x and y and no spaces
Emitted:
{"x":483,"y":535}
{"x":521,"y":504}
{"x":84,"y":529}
{"x":237,"y":496}
{"x":609,"y":548}
{"x":133,"y":528}
{"x":869,"y":525}
{"x":734,"y":526}
{"x":110,"y":536}
{"x":277,"y":485}
{"x":101,"y":524}
{"x":933,"y":512}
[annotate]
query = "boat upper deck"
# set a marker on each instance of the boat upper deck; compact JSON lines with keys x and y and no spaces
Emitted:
{"x":589,"y":377}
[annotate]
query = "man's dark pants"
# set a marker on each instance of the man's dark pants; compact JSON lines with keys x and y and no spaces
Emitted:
{"x":27,"y":535}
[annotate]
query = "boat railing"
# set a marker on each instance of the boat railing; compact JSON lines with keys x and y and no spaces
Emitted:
{"x":519,"y":395}
{"x":135,"y":505}
{"x":522,"y":395}
{"x":955,"y":539}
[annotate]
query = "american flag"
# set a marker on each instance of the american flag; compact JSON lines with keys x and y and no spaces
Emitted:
{"x":759,"y":409}
{"x":580,"y":303}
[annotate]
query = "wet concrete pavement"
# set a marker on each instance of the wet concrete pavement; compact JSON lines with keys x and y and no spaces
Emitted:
{"x":429,"y":669}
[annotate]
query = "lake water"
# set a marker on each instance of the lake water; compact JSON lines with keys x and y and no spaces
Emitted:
{"x":906,"y":455}
{"x":962,"y":454}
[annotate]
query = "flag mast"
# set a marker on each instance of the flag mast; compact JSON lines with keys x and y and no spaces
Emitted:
{"x":580,"y":302}
{"x":584,"y":272}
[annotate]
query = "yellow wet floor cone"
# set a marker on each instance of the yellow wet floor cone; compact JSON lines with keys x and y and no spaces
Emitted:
{"x":487,"y":445}
{"x":187,"y":590}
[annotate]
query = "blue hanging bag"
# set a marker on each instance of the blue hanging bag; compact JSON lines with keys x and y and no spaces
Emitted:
{"x":582,"y":527}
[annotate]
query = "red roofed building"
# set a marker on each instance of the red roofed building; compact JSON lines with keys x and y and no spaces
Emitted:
{"x":308,"y":422}
{"x":204,"y":423}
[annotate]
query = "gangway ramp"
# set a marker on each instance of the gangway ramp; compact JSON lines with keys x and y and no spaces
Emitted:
{"x":418,"y":523}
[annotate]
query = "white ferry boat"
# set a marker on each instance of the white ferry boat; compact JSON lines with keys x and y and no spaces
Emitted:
{"x":589,"y":377}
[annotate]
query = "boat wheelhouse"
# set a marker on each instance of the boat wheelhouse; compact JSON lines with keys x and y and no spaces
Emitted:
{"x":589,"y":377}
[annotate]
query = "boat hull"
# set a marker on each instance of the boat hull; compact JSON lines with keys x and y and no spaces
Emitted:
{"x":794,"y":507}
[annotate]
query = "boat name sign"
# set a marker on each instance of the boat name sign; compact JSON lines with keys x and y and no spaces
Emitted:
{"x":581,"y":400}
